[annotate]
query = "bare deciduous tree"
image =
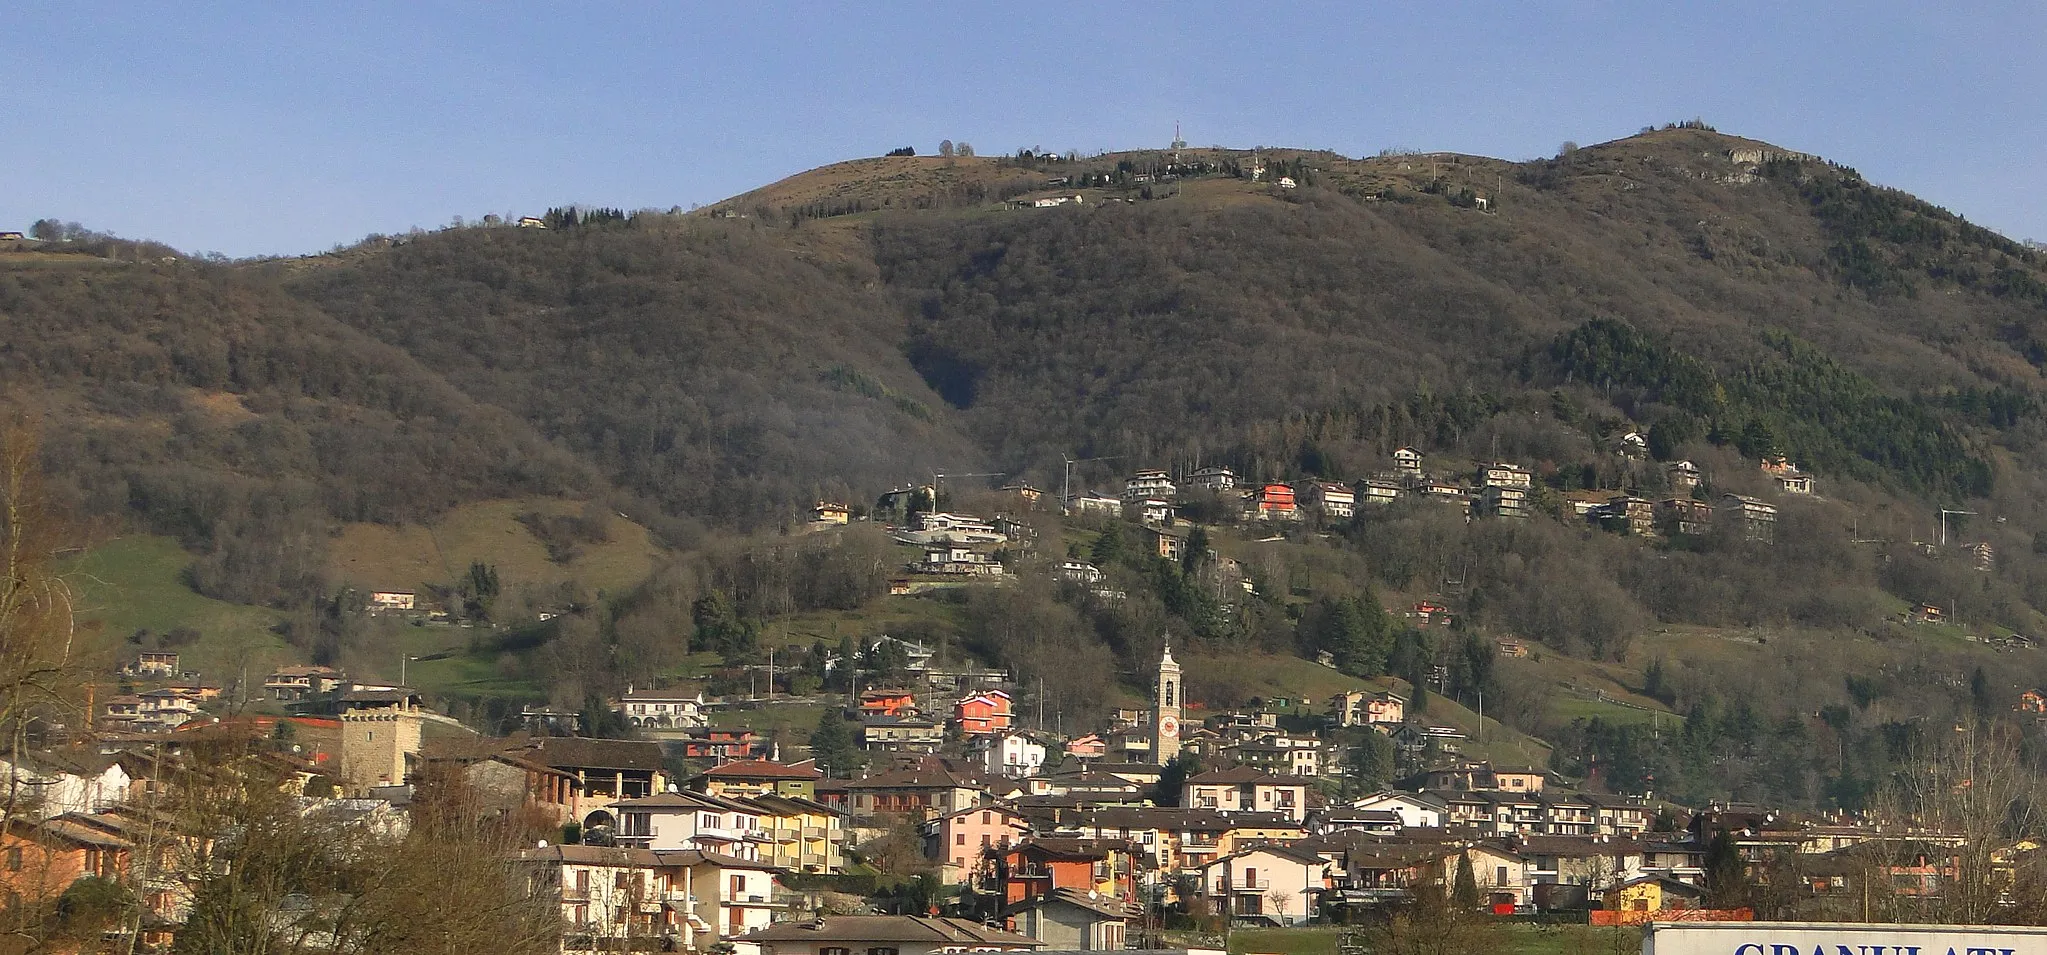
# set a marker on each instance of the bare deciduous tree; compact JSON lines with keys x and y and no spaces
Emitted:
{"x":39,"y":677}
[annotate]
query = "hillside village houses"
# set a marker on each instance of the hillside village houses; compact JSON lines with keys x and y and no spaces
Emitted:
{"x":701,"y":831}
{"x":1070,"y":848}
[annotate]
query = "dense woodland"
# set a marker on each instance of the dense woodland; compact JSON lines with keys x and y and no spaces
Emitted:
{"x":711,"y":376}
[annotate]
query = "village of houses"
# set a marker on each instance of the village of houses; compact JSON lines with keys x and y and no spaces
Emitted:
{"x":697,"y":835}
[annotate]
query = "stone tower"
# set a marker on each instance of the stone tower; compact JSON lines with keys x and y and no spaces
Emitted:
{"x":1165,"y":712}
{"x":376,"y":745}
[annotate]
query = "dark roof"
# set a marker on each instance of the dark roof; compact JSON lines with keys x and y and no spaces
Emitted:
{"x":926,"y":777}
{"x":1282,"y":850}
{"x":75,"y":760}
{"x":65,"y":830}
{"x":765,"y":769}
{"x":1346,"y":814}
{"x":984,"y":807}
{"x":1611,"y":801}
{"x":378,"y":696}
{"x":1178,"y":819}
{"x":690,"y":801}
{"x":890,"y":928}
{"x":1577,"y":845}
{"x":1668,"y":883}
{"x":576,"y":752}
{"x":1074,"y":847}
{"x":1242,"y":775}
{"x":780,"y":805}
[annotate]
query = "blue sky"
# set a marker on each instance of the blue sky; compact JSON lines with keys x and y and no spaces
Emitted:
{"x":253,"y":128}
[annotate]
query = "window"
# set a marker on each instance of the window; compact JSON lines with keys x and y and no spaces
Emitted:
{"x":883,"y":950}
{"x":1500,"y":875}
{"x":834,"y":951}
{"x":618,"y":881}
{"x":738,"y":885}
{"x":959,"y":838}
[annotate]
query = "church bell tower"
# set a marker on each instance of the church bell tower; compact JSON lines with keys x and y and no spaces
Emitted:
{"x":1165,"y":713}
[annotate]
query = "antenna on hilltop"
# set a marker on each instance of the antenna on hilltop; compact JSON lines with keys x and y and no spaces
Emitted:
{"x":1179,"y":142}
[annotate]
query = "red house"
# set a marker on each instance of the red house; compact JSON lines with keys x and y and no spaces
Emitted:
{"x":888,"y":703}
{"x":1036,"y":867}
{"x":724,"y":745}
{"x":1429,"y":613}
{"x":1275,"y":502}
{"x":989,"y":711}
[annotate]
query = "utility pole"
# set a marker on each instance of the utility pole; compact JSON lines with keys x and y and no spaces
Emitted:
{"x":1481,"y":716}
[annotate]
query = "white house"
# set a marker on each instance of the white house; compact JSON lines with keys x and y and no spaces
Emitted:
{"x":653,"y":708}
{"x":1407,"y":461}
{"x":1095,"y":502}
{"x":682,"y":820}
{"x":1148,"y":484}
{"x":612,"y":898}
{"x":1267,"y":883}
{"x":387,"y":600}
{"x":1246,"y":790}
{"x":1153,"y":510}
{"x":53,"y":782}
{"x":1416,"y":810}
{"x":1008,"y":754}
{"x":1081,"y":572}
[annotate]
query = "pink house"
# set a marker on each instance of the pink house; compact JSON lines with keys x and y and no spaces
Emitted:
{"x":955,"y":840}
{"x":1087,"y":747}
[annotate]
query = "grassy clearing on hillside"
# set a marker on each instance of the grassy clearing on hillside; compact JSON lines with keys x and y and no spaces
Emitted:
{"x":880,"y":615}
{"x":137,"y":583}
{"x":1566,"y":707}
{"x":409,"y":557}
{"x":791,"y":721}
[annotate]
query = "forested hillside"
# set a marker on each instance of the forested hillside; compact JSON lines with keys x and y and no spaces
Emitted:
{"x":187,"y":400}
{"x":711,"y":370}
{"x":1289,"y":314}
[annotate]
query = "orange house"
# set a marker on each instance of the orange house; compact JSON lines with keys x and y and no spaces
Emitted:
{"x":1035,"y":868}
{"x":887,"y":703}
{"x":989,"y":711}
{"x":1275,"y":502}
{"x":38,"y":861}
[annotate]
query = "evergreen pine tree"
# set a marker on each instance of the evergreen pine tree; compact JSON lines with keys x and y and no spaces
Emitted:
{"x":1464,"y":896}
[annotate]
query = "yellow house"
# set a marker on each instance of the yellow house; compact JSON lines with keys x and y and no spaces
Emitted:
{"x":1653,"y":893}
{"x":803,"y":836}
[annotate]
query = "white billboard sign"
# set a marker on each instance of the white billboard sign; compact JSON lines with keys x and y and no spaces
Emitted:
{"x":1840,"y":938}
